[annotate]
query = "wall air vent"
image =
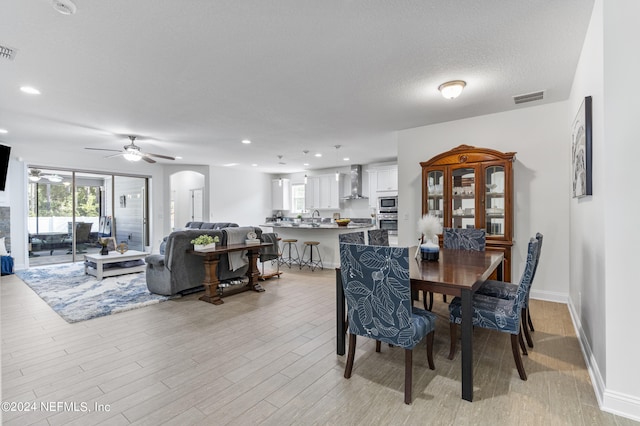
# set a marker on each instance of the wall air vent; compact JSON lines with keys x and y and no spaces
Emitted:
{"x":529,"y":97}
{"x":7,"y":52}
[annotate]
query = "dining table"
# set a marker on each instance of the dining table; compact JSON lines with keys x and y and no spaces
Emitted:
{"x":456,"y":273}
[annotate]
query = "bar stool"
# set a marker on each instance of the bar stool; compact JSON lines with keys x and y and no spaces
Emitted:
{"x":310,"y":262}
{"x":289,"y":243}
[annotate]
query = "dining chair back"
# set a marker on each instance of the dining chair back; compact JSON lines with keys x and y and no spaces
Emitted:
{"x":460,"y":239}
{"x":377,"y":290}
{"x":378,"y":237}
{"x":464,"y":239}
{"x":502,"y":315}
{"x":352,"y":238}
{"x":505,"y":290}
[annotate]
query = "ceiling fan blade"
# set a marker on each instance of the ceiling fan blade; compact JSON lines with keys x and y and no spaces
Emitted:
{"x":114,"y":155}
{"x":103,"y":149}
{"x":166,"y":157}
{"x":147,"y":159}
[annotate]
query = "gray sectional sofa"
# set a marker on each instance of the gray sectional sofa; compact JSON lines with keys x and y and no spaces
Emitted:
{"x":174,"y":271}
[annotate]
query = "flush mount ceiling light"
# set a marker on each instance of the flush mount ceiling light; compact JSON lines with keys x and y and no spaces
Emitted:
{"x":452,"y":89}
{"x":246,"y":141}
{"x":66,"y":7}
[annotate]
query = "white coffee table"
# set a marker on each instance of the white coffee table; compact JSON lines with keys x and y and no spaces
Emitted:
{"x":100,"y":260}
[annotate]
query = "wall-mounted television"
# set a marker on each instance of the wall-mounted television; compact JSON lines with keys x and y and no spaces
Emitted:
{"x":5,"y":152}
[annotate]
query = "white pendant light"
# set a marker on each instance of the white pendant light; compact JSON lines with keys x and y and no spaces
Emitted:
{"x":452,"y":89}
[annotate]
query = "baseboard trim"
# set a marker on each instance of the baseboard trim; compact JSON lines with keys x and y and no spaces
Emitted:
{"x":610,"y":401}
{"x":549,"y":296}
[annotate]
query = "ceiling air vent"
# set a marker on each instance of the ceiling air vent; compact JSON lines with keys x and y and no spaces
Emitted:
{"x":7,"y":52}
{"x":529,"y":97}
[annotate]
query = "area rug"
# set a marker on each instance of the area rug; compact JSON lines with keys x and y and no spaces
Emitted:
{"x":79,"y":297}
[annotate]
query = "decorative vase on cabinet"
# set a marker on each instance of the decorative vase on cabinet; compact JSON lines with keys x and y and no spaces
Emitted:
{"x":471,"y":187}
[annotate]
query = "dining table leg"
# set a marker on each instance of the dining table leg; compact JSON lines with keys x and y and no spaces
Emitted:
{"x":467,"y":345}
{"x":340,"y":315}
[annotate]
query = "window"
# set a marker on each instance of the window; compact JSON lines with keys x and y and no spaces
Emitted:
{"x":297,"y":198}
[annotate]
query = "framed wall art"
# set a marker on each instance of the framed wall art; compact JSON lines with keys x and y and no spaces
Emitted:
{"x":581,"y":151}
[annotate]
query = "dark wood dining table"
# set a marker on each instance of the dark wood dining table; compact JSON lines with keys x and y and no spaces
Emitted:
{"x":456,"y":273}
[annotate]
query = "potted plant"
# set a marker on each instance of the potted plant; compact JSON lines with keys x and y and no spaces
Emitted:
{"x":205,"y":242}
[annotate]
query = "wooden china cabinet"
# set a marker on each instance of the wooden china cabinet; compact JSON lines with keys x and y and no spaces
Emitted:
{"x":471,"y":187}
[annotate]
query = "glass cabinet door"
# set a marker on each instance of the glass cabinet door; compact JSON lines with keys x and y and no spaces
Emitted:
{"x":435,"y":194}
{"x":463,"y":201}
{"x":494,"y":200}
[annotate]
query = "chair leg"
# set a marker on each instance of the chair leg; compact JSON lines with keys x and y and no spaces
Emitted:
{"x":430,"y":350}
{"x":522,"y":345}
{"x":516,"y":356}
{"x":525,"y":329}
{"x":444,"y":298}
{"x":350,"y":356}
{"x":408,"y":368}
{"x":378,"y":345}
{"x":429,"y":306}
{"x":529,"y":320}
{"x":452,"y":347}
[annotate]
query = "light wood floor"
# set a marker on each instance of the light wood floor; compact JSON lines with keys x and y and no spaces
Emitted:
{"x":269,"y":358}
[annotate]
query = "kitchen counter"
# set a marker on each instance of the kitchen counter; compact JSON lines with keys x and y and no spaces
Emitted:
{"x":318,"y":225}
{"x":325,"y":233}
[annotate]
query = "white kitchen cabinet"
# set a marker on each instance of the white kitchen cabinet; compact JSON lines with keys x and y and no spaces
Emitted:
{"x":329,"y":191}
{"x":373,"y":188}
{"x":387,"y":179}
{"x":312,"y":193}
{"x":281,"y":194}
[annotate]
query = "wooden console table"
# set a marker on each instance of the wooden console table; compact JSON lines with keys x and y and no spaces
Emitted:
{"x":211,"y":259}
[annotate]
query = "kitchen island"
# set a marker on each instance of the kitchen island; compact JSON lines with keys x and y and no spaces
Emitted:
{"x":325,"y":233}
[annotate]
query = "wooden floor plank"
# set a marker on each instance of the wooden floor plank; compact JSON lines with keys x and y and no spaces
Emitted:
{"x":269,"y":358}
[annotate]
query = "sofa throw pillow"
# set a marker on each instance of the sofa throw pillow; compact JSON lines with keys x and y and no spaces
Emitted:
{"x":3,"y":248}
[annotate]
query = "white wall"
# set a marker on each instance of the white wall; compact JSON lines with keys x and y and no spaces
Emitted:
{"x":604,"y":231}
{"x":239,"y":196}
{"x":541,"y":173}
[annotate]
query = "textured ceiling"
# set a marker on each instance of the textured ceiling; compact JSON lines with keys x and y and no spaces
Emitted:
{"x":194,"y":78}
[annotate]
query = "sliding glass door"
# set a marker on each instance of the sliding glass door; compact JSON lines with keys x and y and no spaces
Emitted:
{"x":69,"y":211}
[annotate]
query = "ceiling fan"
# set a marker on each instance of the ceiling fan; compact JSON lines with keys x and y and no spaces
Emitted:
{"x":132,"y":152}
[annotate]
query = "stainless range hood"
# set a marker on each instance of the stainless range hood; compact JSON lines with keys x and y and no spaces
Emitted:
{"x":356,"y":184}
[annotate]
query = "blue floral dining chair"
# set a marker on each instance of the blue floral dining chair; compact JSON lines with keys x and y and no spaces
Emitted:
{"x":352,"y":238}
{"x":377,"y":290}
{"x":460,"y":239}
{"x":378,"y":237}
{"x":505,"y":290}
{"x":499,"y":314}
{"x":464,"y":239}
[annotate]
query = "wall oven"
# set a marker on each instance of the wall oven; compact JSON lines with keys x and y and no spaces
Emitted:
{"x":388,"y":221}
{"x":388,"y":204}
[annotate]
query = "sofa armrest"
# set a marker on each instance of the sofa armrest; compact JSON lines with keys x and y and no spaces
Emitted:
{"x":155,"y":260}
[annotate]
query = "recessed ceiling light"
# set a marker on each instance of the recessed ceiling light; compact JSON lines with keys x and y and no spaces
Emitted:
{"x":30,"y":90}
{"x":346,"y":158}
{"x":318,"y":155}
{"x":66,"y":7}
{"x":305,"y":164}
{"x":230,"y":164}
{"x":4,"y":131}
{"x":246,"y":141}
{"x":178,"y":158}
{"x":254,"y":165}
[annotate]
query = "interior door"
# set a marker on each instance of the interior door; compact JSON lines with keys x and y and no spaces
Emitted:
{"x":197,"y":205}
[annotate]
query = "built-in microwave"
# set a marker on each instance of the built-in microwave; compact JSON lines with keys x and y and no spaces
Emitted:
{"x":388,"y":204}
